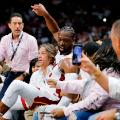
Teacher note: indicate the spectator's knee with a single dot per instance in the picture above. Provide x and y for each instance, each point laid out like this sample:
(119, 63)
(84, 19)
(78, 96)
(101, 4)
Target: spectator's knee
(16, 85)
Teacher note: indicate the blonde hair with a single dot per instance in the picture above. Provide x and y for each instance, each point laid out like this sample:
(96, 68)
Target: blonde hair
(51, 50)
(115, 31)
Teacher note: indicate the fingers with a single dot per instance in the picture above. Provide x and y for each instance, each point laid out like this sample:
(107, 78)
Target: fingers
(52, 83)
(83, 54)
(54, 113)
(37, 6)
(84, 57)
(99, 118)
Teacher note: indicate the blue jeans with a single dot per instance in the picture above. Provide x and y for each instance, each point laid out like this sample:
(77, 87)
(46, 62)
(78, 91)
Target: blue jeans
(11, 76)
(94, 116)
(81, 115)
(35, 116)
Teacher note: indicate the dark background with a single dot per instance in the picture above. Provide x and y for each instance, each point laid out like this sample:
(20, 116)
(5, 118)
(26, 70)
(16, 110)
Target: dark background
(83, 15)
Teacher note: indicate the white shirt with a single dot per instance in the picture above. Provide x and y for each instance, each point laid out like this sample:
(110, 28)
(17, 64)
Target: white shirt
(93, 96)
(114, 84)
(59, 57)
(114, 87)
(39, 81)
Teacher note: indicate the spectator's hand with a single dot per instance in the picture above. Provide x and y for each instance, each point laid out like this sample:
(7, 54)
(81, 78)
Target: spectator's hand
(107, 115)
(39, 9)
(20, 78)
(57, 113)
(87, 65)
(52, 83)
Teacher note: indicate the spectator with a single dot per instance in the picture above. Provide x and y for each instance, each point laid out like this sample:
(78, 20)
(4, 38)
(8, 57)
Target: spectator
(65, 36)
(37, 87)
(110, 84)
(101, 59)
(33, 67)
(18, 49)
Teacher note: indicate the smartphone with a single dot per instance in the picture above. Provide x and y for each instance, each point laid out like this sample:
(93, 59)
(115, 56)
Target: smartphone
(77, 54)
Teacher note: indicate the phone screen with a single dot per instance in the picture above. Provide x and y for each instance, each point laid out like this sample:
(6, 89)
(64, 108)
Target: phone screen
(77, 54)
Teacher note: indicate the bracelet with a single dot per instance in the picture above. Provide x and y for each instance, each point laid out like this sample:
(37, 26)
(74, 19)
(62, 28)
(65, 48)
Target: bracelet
(96, 73)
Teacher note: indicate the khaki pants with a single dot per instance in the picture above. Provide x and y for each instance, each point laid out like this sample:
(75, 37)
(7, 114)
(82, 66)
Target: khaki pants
(28, 114)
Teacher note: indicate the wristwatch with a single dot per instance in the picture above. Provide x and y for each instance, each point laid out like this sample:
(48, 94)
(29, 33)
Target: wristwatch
(117, 114)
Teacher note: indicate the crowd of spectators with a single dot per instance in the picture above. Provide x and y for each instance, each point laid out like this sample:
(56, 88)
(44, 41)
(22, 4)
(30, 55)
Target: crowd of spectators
(91, 23)
(91, 20)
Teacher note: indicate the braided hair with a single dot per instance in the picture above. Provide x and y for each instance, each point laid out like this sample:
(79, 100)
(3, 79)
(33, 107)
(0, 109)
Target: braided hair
(70, 31)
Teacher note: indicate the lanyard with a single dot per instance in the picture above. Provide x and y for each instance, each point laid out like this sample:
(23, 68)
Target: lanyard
(14, 51)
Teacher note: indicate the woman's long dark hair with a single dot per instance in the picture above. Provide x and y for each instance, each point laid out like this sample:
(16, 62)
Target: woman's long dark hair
(32, 64)
(106, 58)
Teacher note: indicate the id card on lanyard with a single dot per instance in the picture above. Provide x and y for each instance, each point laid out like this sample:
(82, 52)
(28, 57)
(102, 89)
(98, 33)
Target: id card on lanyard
(15, 50)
